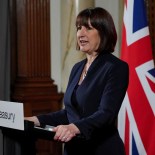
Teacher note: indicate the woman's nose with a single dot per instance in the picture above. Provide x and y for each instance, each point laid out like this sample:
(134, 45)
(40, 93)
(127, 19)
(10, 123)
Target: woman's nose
(82, 31)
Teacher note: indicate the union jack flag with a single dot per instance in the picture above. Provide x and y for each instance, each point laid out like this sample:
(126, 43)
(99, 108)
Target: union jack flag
(136, 121)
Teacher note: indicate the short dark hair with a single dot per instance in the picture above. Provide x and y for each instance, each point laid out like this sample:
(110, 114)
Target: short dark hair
(101, 20)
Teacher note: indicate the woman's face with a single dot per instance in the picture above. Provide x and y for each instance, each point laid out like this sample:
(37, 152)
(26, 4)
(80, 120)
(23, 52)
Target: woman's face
(88, 38)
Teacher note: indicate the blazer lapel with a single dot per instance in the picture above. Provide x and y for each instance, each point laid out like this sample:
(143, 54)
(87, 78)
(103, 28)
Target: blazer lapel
(76, 79)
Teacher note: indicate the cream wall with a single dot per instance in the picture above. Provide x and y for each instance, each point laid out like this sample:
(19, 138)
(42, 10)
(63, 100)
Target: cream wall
(58, 30)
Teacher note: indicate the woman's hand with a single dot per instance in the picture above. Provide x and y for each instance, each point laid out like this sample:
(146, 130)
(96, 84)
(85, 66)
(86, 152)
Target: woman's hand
(65, 133)
(33, 119)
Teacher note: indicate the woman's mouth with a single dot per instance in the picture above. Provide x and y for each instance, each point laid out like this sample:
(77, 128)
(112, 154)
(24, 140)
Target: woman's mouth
(83, 42)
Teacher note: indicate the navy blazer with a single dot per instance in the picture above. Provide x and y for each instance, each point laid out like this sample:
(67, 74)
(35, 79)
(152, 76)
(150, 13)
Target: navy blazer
(99, 98)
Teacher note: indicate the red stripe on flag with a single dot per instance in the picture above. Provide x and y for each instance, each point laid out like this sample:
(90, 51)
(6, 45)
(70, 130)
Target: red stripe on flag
(152, 84)
(126, 139)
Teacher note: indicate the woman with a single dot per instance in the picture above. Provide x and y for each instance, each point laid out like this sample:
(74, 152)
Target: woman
(95, 91)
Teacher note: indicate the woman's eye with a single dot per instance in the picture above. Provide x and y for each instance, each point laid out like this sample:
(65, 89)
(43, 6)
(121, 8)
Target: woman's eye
(78, 28)
(89, 28)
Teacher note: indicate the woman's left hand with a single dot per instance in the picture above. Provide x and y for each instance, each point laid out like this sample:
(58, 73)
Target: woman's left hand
(65, 133)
